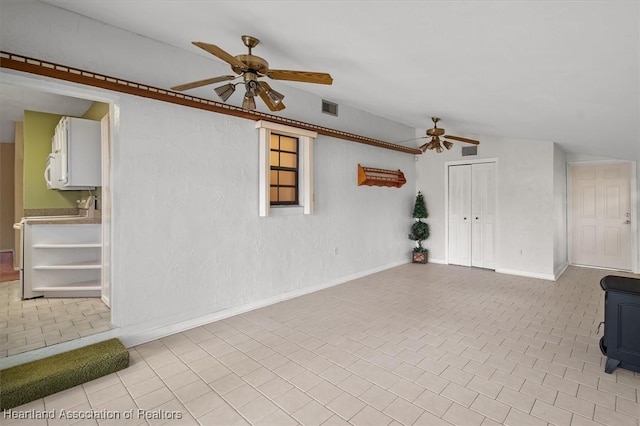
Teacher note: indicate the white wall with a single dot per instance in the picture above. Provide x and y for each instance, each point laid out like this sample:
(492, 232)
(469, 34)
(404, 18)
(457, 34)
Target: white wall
(186, 237)
(526, 225)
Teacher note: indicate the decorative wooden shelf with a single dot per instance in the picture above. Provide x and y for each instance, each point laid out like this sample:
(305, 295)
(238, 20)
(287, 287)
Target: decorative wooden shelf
(380, 177)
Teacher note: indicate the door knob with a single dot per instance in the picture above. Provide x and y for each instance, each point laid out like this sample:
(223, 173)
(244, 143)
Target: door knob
(477, 218)
(627, 222)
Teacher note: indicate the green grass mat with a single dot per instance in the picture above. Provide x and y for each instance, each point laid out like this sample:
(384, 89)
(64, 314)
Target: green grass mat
(37, 379)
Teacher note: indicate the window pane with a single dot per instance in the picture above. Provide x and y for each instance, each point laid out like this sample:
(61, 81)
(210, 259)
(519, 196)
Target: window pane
(288, 144)
(274, 141)
(286, 178)
(274, 194)
(286, 194)
(273, 179)
(274, 161)
(288, 160)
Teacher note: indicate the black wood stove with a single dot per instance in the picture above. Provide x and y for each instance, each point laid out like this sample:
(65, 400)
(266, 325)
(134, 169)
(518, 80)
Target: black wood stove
(621, 340)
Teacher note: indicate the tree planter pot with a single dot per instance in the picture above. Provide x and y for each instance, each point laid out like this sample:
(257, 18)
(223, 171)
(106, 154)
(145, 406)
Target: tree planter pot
(420, 256)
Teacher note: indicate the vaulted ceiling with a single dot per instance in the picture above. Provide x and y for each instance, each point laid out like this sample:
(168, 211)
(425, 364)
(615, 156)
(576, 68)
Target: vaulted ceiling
(561, 71)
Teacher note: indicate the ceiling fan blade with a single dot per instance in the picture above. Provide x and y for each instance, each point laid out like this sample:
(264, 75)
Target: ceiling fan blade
(461, 139)
(304, 76)
(204, 82)
(265, 98)
(216, 51)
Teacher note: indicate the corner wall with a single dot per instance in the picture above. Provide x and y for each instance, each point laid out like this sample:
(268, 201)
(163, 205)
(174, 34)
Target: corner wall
(526, 225)
(560, 246)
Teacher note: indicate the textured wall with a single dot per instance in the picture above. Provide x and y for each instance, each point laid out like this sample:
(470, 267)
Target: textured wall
(525, 223)
(187, 240)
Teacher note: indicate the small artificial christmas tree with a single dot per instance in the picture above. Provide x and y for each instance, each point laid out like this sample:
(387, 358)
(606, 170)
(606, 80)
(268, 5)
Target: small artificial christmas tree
(419, 229)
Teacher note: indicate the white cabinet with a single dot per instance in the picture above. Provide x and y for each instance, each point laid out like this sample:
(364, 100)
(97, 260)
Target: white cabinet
(472, 213)
(62, 260)
(75, 159)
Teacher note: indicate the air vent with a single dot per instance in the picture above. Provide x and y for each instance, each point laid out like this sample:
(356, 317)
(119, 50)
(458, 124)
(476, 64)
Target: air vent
(329, 108)
(469, 150)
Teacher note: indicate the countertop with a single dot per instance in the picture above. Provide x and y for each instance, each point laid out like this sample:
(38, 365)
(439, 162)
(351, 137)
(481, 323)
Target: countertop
(61, 216)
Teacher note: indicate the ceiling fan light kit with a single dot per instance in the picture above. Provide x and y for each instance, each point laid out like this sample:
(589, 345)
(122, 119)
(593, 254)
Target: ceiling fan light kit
(251, 68)
(249, 103)
(224, 92)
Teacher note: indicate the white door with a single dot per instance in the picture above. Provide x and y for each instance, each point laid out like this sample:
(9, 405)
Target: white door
(460, 215)
(601, 215)
(472, 210)
(483, 214)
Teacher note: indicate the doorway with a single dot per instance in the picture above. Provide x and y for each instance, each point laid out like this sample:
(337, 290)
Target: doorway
(471, 206)
(86, 316)
(601, 216)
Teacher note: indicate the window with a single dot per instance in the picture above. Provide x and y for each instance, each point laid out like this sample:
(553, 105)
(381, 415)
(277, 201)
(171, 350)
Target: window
(286, 169)
(283, 160)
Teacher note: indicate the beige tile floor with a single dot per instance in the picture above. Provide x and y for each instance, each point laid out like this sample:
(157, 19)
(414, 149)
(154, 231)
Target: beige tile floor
(413, 345)
(36, 323)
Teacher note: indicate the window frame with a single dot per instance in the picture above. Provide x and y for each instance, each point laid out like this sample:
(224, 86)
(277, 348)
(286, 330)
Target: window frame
(280, 168)
(305, 169)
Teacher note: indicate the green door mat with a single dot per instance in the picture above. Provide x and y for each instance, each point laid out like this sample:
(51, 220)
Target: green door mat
(37, 379)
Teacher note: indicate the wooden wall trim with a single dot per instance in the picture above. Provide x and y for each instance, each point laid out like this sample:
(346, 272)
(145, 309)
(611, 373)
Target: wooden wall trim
(62, 72)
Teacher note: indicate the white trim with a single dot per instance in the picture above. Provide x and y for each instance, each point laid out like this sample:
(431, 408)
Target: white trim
(548, 277)
(263, 170)
(438, 261)
(281, 128)
(633, 200)
(286, 210)
(307, 196)
(139, 334)
(560, 270)
(305, 170)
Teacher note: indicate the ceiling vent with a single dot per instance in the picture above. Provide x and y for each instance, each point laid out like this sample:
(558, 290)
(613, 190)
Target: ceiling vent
(329, 108)
(469, 150)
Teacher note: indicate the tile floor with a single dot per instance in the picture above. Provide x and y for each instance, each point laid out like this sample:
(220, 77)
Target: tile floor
(7, 272)
(36, 323)
(413, 345)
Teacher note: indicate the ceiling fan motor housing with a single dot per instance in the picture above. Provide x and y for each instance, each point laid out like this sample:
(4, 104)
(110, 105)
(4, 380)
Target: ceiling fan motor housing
(254, 63)
(435, 132)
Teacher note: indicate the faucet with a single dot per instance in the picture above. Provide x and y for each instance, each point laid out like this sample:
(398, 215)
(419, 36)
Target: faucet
(88, 206)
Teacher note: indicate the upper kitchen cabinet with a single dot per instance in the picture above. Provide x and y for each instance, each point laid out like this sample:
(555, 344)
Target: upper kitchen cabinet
(74, 162)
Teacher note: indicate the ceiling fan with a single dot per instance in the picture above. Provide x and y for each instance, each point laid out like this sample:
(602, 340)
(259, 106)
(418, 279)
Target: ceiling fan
(436, 143)
(250, 68)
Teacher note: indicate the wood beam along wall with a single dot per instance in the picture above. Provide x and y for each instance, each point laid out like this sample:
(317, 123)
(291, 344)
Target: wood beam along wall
(61, 72)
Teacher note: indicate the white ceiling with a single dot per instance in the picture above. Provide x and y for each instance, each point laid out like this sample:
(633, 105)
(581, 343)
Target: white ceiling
(562, 71)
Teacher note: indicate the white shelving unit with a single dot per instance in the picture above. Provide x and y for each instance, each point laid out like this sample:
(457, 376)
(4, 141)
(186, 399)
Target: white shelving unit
(62, 260)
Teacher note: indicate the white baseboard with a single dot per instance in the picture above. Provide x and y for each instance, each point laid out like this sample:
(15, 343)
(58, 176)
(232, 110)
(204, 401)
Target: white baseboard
(560, 270)
(440, 261)
(143, 333)
(548, 277)
(152, 333)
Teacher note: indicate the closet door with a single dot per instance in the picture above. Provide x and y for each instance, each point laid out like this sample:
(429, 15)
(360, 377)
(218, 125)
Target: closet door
(460, 215)
(483, 190)
(472, 213)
